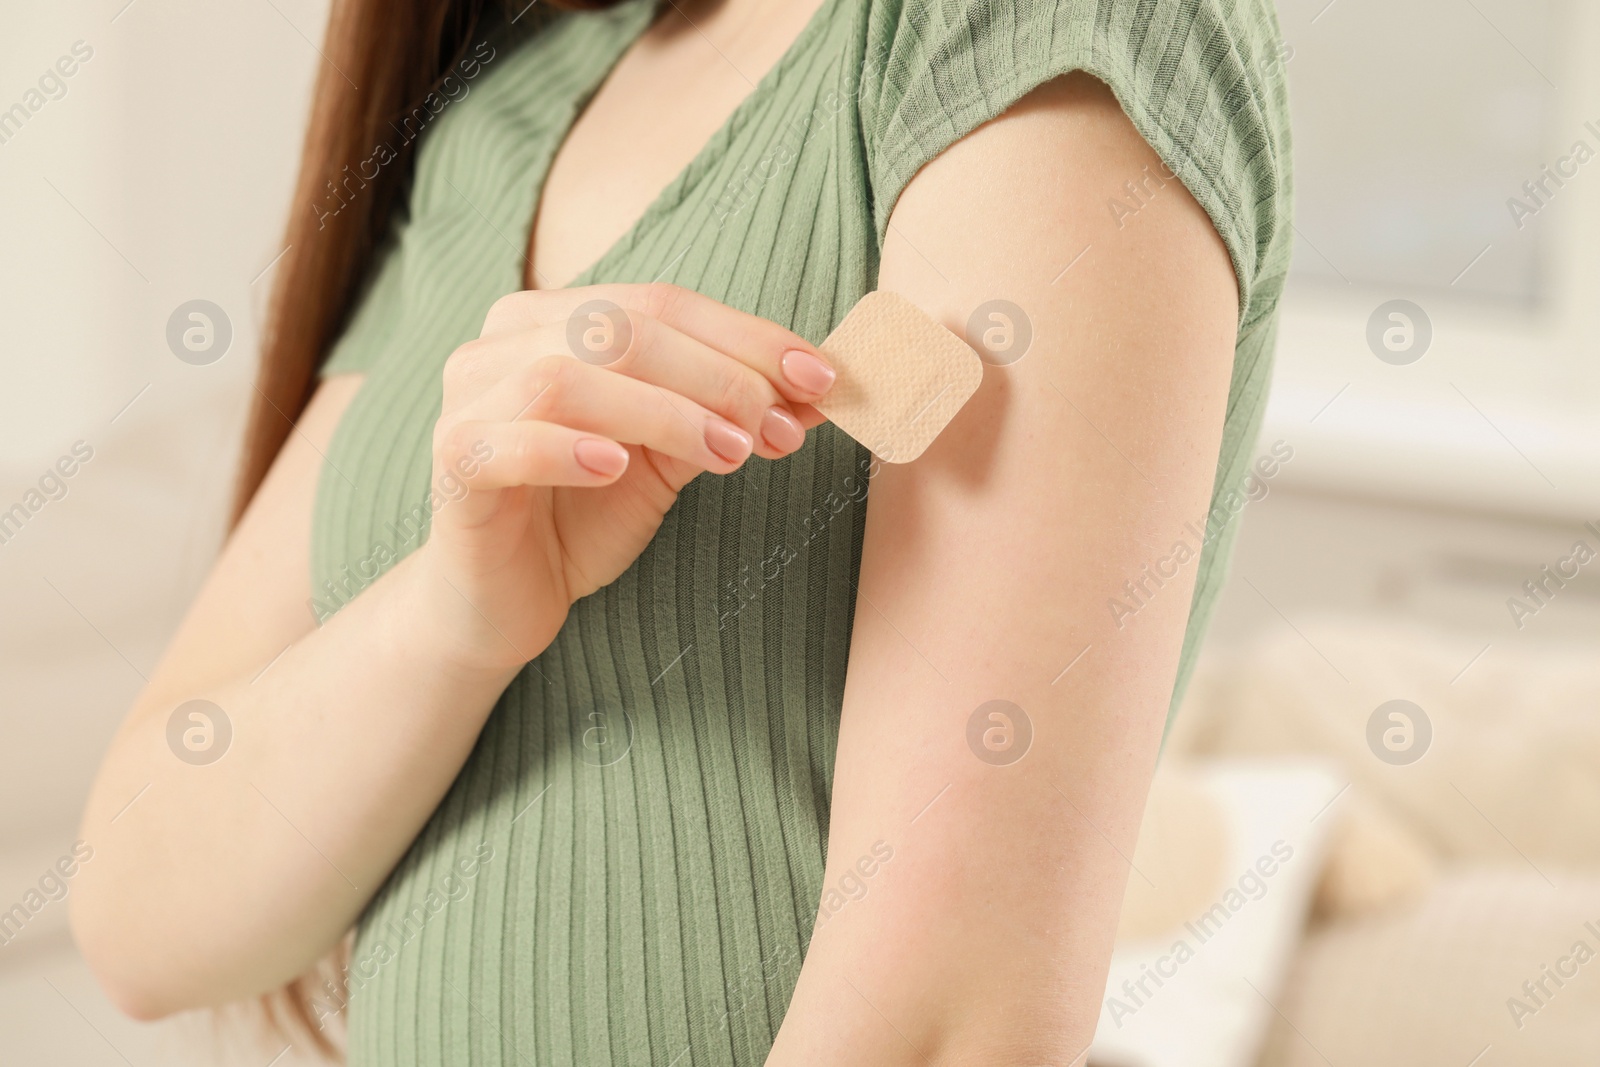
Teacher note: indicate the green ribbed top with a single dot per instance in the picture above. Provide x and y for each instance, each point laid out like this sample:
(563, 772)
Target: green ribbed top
(627, 869)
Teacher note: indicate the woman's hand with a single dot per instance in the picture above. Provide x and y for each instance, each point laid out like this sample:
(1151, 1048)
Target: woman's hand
(224, 881)
(573, 421)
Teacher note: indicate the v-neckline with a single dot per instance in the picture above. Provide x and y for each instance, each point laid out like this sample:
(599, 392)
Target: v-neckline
(664, 198)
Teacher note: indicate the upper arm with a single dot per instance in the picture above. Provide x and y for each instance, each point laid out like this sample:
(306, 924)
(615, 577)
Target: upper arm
(986, 571)
(1071, 464)
(255, 601)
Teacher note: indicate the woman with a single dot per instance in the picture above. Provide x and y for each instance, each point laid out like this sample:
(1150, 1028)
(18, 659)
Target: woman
(616, 724)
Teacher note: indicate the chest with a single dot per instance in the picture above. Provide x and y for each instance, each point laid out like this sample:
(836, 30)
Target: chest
(771, 217)
(669, 94)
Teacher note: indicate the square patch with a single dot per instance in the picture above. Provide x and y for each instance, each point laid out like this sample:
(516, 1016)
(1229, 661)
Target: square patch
(902, 376)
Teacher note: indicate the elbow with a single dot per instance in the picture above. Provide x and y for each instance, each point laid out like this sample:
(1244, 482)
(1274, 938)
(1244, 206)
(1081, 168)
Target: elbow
(131, 980)
(137, 1002)
(133, 994)
(154, 962)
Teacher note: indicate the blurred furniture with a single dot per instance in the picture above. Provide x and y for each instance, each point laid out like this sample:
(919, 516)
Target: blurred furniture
(1457, 912)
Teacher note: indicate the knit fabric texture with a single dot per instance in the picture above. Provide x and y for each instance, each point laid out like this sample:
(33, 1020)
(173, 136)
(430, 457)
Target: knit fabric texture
(627, 869)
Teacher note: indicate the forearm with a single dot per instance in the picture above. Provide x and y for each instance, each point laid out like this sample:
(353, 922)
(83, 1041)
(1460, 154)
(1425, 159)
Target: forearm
(224, 879)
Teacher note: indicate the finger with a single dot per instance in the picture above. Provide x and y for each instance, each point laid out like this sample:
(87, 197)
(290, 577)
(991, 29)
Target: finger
(565, 391)
(478, 458)
(794, 366)
(501, 455)
(655, 353)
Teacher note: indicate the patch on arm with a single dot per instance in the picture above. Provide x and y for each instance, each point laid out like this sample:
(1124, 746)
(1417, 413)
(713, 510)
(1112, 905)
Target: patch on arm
(902, 376)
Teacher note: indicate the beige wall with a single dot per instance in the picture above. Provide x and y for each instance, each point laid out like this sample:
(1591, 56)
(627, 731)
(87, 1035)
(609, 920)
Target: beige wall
(161, 175)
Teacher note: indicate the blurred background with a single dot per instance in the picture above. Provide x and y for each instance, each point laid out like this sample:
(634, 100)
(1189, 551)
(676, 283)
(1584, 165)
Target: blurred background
(1376, 836)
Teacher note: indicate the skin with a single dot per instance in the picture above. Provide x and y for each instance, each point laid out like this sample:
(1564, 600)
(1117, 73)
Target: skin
(986, 570)
(987, 567)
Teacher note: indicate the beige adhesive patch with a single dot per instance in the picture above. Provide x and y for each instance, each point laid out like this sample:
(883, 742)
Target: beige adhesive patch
(902, 376)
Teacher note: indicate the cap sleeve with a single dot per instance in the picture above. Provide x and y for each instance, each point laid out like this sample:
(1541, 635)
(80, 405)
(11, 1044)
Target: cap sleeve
(1202, 81)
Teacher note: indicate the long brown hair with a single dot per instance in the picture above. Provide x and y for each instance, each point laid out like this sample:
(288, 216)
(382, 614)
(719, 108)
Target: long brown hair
(384, 59)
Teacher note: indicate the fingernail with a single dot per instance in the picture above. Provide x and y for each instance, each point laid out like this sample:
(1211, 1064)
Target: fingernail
(782, 430)
(600, 456)
(807, 372)
(727, 440)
